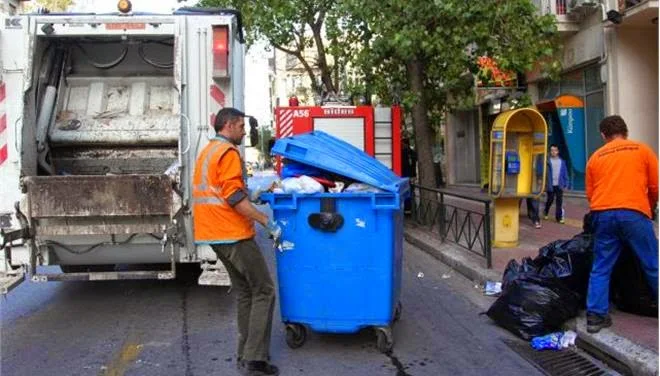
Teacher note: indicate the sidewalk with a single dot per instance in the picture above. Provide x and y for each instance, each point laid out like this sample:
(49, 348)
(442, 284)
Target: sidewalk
(632, 340)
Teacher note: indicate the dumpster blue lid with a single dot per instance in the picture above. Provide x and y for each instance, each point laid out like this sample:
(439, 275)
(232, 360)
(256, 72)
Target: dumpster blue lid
(329, 153)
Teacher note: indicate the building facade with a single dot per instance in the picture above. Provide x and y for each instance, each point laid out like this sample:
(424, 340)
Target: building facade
(610, 66)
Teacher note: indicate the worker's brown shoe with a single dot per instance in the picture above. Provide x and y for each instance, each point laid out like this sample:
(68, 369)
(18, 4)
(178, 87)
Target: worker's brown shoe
(597, 322)
(259, 368)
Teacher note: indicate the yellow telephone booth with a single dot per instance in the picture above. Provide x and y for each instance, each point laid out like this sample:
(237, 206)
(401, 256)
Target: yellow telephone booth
(518, 152)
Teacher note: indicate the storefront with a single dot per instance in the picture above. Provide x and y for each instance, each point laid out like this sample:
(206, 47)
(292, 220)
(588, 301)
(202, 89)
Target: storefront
(573, 108)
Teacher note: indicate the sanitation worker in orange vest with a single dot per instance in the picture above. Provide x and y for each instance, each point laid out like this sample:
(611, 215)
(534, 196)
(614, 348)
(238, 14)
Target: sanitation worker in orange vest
(622, 188)
(224, 217)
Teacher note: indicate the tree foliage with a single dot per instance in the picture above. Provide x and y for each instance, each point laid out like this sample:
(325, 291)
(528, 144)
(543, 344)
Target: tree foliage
(421, 53)
(426, 52)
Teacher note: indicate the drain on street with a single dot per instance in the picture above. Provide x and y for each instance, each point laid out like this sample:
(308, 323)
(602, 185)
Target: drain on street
(557, 363)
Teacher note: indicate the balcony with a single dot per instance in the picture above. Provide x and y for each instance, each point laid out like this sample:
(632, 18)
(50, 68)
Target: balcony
(566, 25)
(638, 13)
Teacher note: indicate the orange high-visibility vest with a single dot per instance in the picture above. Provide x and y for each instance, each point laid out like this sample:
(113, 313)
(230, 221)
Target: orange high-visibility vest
(214, 220)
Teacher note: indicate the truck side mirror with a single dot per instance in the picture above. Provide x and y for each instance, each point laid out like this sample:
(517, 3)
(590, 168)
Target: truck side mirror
(254, 132)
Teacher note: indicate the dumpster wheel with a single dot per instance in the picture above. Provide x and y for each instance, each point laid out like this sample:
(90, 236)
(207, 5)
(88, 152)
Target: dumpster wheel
(296, 335)
(384, 339)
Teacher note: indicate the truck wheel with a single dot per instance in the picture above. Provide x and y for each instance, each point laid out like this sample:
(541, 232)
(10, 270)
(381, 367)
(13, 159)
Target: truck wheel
(296, 335)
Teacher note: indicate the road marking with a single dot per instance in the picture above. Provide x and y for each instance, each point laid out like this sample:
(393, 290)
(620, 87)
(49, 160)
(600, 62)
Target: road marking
(128, 354)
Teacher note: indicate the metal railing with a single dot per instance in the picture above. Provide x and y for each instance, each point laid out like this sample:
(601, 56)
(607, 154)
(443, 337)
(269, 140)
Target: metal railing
(456, 218)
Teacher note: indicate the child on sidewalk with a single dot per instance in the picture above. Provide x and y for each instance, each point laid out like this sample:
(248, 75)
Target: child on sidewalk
(556, 182)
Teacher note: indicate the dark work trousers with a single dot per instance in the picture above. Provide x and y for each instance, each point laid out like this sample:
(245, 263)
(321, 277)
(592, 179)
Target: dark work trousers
(559, 206)
(533, 209)
(255, 294)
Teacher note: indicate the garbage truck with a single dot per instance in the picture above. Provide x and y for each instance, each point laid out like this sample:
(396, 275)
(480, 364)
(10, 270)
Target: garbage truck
(101, 120)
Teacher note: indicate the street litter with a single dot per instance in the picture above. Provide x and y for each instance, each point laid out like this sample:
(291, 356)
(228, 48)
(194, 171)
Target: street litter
(554, 341)
(493, 288)
(446, 276)
(420, 275)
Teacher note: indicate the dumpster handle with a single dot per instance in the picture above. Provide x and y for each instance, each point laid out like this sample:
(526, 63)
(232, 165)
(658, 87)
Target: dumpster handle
(383, 201)
(328, 220)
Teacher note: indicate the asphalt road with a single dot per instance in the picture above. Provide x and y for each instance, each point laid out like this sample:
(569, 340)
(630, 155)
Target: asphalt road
(174, 328)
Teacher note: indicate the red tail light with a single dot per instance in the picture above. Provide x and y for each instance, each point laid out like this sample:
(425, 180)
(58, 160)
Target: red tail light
(220, 51)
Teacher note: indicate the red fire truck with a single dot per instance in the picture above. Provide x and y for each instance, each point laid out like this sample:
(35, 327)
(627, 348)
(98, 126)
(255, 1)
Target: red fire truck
(374, 130)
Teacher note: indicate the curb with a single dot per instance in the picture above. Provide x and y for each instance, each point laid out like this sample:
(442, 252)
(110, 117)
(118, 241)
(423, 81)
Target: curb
(639, 359)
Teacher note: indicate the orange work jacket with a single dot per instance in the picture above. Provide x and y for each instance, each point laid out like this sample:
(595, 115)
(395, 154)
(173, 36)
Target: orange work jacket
(218, 184)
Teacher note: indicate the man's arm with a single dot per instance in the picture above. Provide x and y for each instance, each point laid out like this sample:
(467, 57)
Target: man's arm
(245, 208)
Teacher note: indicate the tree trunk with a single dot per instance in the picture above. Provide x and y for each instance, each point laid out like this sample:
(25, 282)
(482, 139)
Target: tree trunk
(423, 131)
(326, 73)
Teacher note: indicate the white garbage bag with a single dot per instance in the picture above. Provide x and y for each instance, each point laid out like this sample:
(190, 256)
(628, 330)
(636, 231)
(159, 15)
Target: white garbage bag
(303, 184)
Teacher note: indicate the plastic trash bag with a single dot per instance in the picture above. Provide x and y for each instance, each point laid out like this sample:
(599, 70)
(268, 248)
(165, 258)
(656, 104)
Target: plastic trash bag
(303, 184)
(514, 270)
(361, 187)
(629, 290)
(533, 306)
(568, 260)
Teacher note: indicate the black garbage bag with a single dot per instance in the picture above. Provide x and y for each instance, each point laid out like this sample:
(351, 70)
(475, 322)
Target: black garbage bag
(533, 306)
(629, 290)
(568, 260)
(514, 270)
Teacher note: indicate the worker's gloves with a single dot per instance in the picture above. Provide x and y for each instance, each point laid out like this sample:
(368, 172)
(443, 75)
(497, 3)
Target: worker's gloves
(275, 232)
(255, 196)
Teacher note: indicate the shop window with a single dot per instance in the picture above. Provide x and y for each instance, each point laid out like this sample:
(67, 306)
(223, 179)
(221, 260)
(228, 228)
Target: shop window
(592, 79)
(585, 84)
(594, 111)
(572, 83)
(548, 90)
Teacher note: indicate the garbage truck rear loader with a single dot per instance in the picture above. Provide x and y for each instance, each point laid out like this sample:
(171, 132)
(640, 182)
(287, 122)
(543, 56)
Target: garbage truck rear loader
(103, 118)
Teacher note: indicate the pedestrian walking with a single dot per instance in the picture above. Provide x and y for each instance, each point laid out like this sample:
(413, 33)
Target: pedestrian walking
(224, 217)
(556, 183)
(533, 211)
(622, 189)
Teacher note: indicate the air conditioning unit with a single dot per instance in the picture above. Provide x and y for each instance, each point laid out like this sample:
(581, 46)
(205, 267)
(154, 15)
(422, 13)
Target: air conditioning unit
(582, 7)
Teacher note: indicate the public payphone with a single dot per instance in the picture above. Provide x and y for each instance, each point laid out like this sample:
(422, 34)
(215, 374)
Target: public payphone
(518, 146)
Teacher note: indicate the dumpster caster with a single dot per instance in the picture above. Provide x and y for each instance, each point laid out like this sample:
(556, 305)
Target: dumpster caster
(397, 312)
(384, 340)
(296, 335)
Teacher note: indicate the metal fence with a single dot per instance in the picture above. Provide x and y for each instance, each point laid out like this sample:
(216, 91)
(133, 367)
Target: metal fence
(456, 218)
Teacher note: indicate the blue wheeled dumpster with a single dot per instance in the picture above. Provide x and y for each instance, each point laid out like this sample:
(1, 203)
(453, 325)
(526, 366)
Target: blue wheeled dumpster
(339, 266)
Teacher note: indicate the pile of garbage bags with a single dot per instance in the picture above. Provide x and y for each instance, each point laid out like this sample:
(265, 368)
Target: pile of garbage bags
(629, 290)
(540, 294)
